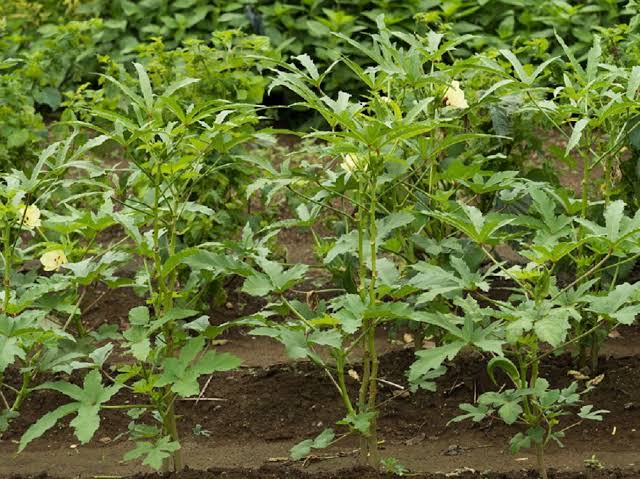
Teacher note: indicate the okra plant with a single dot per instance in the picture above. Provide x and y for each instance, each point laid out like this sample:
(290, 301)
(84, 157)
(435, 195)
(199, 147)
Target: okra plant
(169, 148)
(536, 320)
(382, 151)
(594, 113)
(45, 269)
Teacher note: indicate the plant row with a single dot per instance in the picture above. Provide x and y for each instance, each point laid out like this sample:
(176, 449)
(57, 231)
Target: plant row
(443, 211)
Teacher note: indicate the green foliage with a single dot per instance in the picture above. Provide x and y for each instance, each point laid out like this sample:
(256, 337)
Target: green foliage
(432, 185)
(22, 128)
(86, 405)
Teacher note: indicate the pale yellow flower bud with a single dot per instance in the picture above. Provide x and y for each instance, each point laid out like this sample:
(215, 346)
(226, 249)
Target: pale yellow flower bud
(353, 374)
(353, 163)
(52, 260)
(31, 216)
(454, 96)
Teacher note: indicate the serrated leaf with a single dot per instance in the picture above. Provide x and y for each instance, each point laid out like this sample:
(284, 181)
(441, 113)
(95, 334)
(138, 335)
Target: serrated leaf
(475, 413)
(634, 82)
(145, 85)
(154, 453)
(361, 422)
(9, 351)
(553, 328)
(303, 448)
(258, 284)
(100, 355)
(613, 215)
(510, 411)
(330, 337)
(139, 316)
(576, 134)
(431, 359)
(587, 412)
(87, 422)
(174, 87)
(593, 59)
(45, 423)
(517, 66)
(308, 64)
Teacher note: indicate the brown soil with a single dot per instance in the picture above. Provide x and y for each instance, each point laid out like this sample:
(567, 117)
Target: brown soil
(361, 473)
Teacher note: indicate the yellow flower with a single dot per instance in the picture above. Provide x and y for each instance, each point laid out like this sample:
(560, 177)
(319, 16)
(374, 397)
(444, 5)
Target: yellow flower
(454, 96)
(31, 216)
(52, 260)
(353, 163)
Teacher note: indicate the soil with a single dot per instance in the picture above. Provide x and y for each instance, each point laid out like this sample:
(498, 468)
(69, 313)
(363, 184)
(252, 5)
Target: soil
(361, 473)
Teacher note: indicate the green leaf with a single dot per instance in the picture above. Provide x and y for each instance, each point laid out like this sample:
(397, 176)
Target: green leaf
(389, 223)
(295, 343)
(280, 278)
(9, 351)
(349, 311)
(141, 349)
(174, 314)
(347, 243)
(574, 63)
(93, 390)
(303, 448)
(6, 416)
(217, 263)
(475, 413)
(634, 82)
(515, 63)
(258, 284)
(139, 315)
(615, 304)
(361, 422)
(576, 134)
(182, 373)
(115, 116)
(68, 389)
(586, 412)
(49, 96)
(593, 59)
(613, 215)
(553, 328)
(145, 85)
(178, 85)
(154, 453)
(213, 361)
(87, 422)
(331, 338)
(308, 64)
(45, 423)
(431, 359)
(518, 442)
(510, 411)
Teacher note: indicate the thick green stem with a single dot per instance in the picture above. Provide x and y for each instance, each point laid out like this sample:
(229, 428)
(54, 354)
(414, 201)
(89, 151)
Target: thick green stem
(372, 439)
(23, 393)
(344, 392)
(7, 256)
(163, 303)
(171, 429)
(542, 469)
